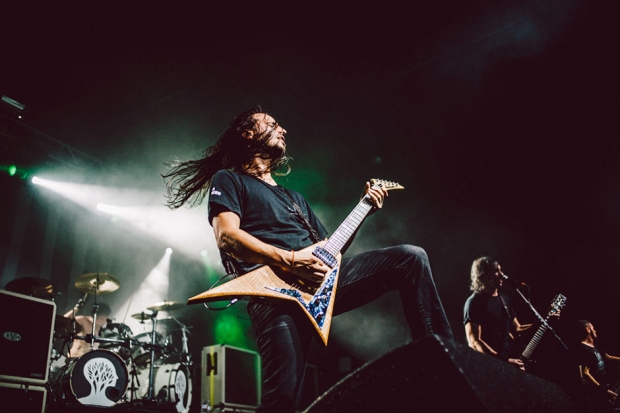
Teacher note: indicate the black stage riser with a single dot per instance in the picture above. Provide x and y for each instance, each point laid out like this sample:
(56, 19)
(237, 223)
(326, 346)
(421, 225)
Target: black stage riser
(437, 375)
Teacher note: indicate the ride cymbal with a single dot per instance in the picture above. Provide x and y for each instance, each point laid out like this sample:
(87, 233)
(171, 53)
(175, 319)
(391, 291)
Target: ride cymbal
(166, 306)
(97, 282)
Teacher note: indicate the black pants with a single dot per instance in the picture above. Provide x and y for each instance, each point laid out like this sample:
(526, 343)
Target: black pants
(283, 333)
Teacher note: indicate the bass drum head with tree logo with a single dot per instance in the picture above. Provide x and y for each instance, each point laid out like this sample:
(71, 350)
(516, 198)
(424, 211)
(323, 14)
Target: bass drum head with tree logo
(171, 384)
(99, 378)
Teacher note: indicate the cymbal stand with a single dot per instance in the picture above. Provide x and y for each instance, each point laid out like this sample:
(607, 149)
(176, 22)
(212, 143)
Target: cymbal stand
(153, 333)
(135, 381)
(185, 332)
(95, 310)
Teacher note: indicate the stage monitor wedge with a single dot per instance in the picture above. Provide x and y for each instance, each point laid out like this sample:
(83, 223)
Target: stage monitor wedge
(435, 374)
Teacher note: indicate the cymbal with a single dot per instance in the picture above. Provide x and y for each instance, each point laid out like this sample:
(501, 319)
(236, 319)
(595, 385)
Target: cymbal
(142, 316)
(166, 306)
(99, 282)
(35, 287)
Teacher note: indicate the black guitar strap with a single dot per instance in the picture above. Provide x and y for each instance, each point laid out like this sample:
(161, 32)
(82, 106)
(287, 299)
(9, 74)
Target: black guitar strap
(505, 306)
(313, 234)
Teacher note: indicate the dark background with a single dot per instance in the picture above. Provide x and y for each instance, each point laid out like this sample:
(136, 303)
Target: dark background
(499, 118)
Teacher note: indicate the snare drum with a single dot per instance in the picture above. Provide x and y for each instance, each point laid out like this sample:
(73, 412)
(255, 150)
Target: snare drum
(98, 378)
(171, 384)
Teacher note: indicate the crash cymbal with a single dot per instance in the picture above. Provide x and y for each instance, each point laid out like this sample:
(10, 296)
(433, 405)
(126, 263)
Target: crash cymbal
(143, 316)
(166, 306)
(99, 282)
(35, 287)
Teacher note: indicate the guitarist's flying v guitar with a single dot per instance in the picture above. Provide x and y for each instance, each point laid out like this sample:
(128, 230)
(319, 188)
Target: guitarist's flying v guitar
(317, 301)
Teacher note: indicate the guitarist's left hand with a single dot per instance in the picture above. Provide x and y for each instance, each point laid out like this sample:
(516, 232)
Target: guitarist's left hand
(377, 196)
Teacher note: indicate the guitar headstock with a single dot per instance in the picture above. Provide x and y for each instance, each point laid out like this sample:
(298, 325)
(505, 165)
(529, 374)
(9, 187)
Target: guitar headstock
(387, 185)
(557, 304)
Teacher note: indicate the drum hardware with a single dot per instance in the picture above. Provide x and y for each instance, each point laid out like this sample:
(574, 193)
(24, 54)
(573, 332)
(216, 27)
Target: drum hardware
(96, 284)
(151, 367)
(116, 338)
(172, 321)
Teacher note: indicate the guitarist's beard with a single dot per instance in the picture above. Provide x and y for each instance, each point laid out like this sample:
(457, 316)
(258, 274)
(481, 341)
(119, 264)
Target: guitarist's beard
(268, 146)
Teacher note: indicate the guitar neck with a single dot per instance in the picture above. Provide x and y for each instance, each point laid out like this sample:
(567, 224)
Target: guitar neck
(345, 231)
(556, 305)
(531, 346)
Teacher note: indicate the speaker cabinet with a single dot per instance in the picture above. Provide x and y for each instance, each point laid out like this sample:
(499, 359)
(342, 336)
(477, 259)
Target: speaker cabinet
(437, 375)
(26, 333)
(22, 398)
(230, 378)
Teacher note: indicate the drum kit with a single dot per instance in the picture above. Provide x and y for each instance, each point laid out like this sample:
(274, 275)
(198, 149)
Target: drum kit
(117, 366)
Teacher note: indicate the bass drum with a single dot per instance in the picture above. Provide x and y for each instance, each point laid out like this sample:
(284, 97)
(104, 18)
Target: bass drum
(98, 378)
(171, 384)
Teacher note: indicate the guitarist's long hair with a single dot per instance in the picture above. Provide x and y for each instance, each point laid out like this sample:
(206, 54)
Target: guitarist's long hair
(187, 182)
(482, 270)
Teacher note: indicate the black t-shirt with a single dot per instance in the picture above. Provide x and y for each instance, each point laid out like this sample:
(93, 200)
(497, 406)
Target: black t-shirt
(265, 211)
(489, 313)
(595, 360)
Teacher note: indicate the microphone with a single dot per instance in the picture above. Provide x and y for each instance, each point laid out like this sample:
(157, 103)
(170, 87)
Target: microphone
(505, 277)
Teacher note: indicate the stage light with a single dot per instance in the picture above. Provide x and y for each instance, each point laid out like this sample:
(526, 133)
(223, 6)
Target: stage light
(12, 106)
(10, 169)
(168, 251)
(154, 288)
(144, 211)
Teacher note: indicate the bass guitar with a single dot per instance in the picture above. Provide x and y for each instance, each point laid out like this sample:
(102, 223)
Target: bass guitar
(316, 300)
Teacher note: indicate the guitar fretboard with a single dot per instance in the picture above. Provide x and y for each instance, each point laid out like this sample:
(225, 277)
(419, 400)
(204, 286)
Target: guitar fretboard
(529, 349)
(348, 227)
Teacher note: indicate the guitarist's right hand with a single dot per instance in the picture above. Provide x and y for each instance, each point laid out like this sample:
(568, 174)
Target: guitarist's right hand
(306, 266)
(518, 363)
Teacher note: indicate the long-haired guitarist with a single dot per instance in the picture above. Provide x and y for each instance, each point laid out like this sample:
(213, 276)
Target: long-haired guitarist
(488, 313)
(257, 222)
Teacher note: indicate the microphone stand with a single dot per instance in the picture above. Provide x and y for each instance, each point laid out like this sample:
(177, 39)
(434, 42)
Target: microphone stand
(542, 320)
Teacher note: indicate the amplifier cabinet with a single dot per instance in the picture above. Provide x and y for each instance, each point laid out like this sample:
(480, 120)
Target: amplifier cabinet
(26, 334)
(230, 378)
(22, 398)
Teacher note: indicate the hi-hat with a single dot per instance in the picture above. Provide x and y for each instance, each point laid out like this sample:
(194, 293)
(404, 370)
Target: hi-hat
(165, 306)
(143, 316)
(97, 282)
(32, 286)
